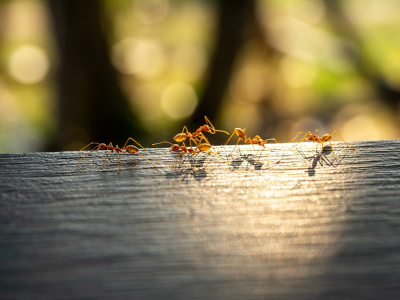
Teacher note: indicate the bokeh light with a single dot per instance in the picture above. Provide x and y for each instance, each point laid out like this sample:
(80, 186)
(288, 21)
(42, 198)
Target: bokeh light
(298, 73)
(140, 57)
(28, 64)
(302, 66)
(23, 20)
(150, 11)
(178, 100)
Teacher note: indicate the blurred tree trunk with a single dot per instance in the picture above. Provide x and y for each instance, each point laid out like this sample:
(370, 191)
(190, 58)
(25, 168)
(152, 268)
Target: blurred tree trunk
(233, 21)
(90, 98)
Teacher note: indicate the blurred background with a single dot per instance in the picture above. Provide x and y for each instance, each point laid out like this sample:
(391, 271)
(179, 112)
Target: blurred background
(74, 72)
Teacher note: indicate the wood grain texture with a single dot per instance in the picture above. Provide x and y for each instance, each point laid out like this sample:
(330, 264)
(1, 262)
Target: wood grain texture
(294, 227)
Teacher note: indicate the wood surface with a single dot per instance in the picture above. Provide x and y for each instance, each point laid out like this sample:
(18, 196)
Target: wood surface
(277, 224)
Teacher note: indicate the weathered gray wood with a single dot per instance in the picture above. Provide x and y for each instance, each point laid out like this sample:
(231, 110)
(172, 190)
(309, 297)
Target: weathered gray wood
(300, 227)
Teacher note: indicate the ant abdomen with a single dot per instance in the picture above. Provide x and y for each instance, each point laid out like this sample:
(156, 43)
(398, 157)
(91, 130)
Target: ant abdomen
(203, 147)
(131, 149)
(180, 137)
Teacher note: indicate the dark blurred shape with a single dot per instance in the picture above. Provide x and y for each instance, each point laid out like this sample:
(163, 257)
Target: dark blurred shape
(234, 18)
(89, 96)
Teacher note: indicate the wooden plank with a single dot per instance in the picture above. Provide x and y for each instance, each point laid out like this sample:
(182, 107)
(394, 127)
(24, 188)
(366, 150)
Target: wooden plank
(294, 227)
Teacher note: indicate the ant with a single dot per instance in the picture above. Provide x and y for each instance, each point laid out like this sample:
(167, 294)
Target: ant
(127, 148)
(241, 133)
(209, 127)
(326, 138)
(201, 147)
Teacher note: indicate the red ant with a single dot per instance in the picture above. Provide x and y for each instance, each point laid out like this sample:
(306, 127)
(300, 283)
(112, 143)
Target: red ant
(202, 147)
(209, 127)
(241, 133)
(326, 138)
(127, 148)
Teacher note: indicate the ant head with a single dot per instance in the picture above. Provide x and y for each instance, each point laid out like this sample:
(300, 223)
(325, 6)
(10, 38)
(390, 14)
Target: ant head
(311, 137)
(102, 146)
(174, 148)
(260, 142)
(207, 128)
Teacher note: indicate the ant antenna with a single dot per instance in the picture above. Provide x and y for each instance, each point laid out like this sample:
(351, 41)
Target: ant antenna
(162, 143)
(208, 122)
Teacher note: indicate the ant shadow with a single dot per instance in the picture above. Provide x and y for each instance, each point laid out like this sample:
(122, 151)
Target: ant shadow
(110, 164)
(184, 173)
(126, 162)
(251, 159)
(321, 158)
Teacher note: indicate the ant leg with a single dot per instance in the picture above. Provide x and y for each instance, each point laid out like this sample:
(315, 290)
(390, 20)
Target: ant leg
(194, 140)
(108, 153)
(341, 138)
(230, 137)
(190, 142)
(305, 136)
(187, 131)
(267, 155)
(118, 162)
(203, 137)
(194, 165)
(110, 144)
(332, 151)
(88, 146)
(180, 154)
(146, 158)
(253, 147)
(322, 149)
(216, 155)
(271, 140)
(160, 157)
(309, 132)
(88, 152)
(236, 145)
(134, 141)
(261, 152)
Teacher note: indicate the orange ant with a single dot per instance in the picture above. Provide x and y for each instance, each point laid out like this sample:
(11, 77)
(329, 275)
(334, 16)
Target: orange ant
(241, 133)
(209, 127)
(202, 147)
(127, 148)
(326, 138)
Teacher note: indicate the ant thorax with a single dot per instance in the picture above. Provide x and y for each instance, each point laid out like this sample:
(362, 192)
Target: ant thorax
(240, 132)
